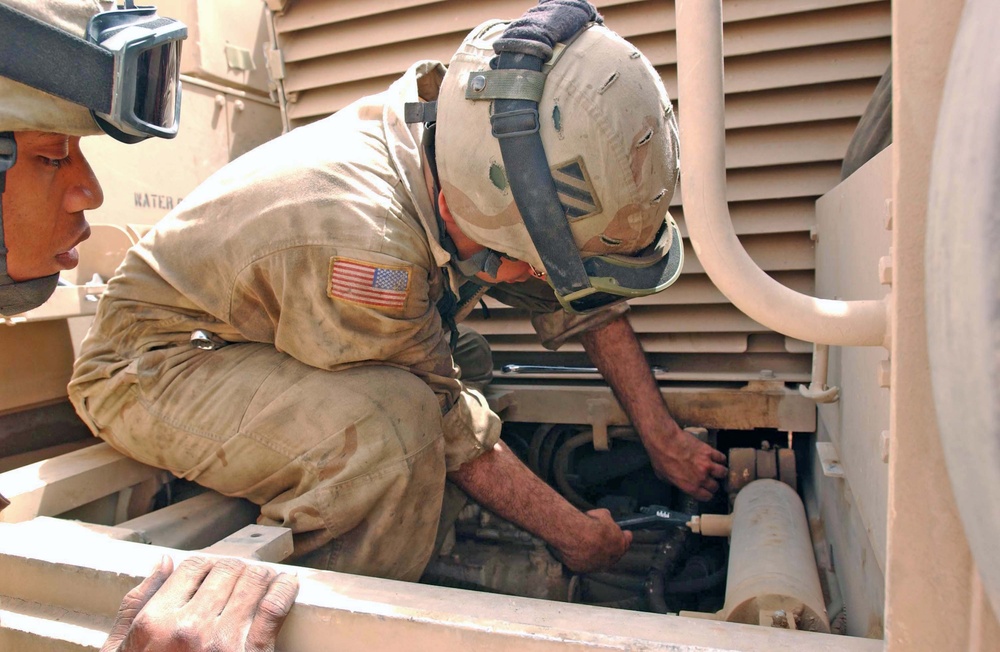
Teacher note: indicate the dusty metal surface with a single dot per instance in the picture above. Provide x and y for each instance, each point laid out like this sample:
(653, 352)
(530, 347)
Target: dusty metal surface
(259, 542)
(759, 405)
(772, 571)
(344, 611)
(193, 523)
(55, 486)
(931, 603)
(963, 283)
(853, 217)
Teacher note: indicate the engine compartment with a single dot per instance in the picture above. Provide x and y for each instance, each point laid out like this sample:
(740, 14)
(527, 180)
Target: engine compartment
(672, 566)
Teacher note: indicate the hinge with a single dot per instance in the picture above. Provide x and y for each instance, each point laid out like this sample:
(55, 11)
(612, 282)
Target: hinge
(275, 62)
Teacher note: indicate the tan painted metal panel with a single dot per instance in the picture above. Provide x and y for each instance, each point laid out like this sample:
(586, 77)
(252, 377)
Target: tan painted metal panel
(828, 63)
(783, 251)
(754, 184)
(455, 18)
(778, 216)
(799, 104)
(310, 13)
(851, 218)
(330, 99)
(698, 289)
(340, 611)
(751, 9)
(391, 59)
(784, 144)
(804, 30)
(810, 29)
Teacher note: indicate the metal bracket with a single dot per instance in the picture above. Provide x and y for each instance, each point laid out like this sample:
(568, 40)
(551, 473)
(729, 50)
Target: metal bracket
(275, 62)
(261, 542)
(599, 413)
(829, 458)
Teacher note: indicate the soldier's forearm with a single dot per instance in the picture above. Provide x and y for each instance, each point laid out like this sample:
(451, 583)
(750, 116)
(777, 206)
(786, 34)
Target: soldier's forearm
(500, 482)
(616, 352)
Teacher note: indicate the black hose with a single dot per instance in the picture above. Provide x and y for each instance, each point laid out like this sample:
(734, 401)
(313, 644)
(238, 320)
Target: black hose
(547, 450)
(534, 449)
(634, 603)
(662, 566)
(655, 594)
(561, 468)
(618, 580)
(697, 584)
(649, 536)
(637, 559)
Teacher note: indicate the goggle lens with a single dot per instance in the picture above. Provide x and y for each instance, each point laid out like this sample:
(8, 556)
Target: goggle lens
(158, 70)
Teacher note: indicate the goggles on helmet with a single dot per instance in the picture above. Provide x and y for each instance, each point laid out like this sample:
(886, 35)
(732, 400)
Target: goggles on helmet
(613, 278)
(126, 70)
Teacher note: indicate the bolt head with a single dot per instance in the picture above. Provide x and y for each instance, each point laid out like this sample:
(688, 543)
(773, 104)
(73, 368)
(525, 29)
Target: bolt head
(885, 270)
(884, 373)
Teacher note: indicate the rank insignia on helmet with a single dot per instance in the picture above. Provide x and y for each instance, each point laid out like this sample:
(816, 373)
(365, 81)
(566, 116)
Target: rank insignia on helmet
(575, 190)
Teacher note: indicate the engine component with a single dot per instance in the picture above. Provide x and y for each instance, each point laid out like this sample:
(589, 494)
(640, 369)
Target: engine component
(712, 525)
(494, 555)
(749, 464)
(742, 469)
(772, 578)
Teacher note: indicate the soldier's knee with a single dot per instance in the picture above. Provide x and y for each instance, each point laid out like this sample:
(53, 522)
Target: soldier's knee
(403, 403)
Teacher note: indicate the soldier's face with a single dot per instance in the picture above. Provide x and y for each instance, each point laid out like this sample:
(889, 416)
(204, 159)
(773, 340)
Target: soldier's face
(48, 190)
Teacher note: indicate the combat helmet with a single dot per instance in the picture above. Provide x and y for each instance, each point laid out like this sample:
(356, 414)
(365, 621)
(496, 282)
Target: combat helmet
(556, 144)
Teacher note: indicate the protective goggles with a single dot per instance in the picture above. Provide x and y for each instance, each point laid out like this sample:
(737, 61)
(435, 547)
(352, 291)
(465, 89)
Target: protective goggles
(126, 70)
(581, 285)
(614, 278)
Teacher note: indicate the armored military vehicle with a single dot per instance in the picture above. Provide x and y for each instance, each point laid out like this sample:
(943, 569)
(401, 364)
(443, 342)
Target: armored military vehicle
(833, 332)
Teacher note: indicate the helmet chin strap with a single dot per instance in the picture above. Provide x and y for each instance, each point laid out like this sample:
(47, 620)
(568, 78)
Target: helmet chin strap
(17, 297)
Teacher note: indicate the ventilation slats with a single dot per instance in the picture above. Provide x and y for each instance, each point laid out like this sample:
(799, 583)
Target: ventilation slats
(799, 74)
(786, 106)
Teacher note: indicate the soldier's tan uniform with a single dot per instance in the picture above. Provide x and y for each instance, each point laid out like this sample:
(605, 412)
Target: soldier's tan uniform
(333, 400)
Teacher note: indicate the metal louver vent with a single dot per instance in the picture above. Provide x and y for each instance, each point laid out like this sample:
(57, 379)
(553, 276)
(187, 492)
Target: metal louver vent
(799, 74)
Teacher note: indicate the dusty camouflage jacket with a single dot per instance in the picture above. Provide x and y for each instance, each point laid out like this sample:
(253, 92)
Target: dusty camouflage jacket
(323, 242)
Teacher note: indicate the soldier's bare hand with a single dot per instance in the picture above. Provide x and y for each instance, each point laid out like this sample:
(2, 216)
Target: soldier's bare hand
(682, 459)
(598, 544)
(223, 605)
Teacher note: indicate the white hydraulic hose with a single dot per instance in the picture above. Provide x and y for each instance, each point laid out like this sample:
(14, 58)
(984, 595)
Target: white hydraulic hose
(709, 225)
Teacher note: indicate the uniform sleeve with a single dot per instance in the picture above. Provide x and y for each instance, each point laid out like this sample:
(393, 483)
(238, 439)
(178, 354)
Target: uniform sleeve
(553, 324)
(336, 307)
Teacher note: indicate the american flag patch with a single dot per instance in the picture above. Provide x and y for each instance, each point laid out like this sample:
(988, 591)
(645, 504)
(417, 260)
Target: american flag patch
(368, 284)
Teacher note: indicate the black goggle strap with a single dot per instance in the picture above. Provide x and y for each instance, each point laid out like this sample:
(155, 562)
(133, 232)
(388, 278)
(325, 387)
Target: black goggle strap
(37, 54)
(8, 156)
(515, 125)
(524, 47)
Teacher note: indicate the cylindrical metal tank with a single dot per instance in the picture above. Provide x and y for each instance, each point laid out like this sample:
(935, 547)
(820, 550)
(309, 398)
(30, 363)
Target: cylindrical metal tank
(772, 578)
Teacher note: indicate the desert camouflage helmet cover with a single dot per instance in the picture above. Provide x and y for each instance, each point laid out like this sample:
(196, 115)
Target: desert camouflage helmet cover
(609, 135)
(23, 108)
